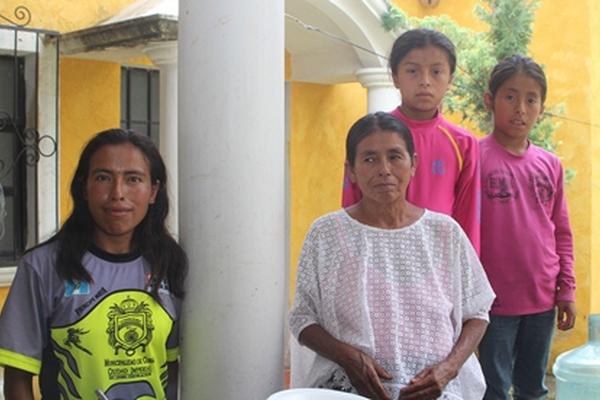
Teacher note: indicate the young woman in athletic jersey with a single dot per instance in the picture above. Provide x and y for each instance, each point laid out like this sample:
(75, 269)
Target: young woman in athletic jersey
(95, 309)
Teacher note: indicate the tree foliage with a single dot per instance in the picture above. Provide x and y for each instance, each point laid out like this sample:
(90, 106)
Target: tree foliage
(510, 25)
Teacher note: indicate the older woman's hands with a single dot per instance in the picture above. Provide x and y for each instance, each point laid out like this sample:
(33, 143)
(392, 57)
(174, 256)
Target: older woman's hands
(429, 383)
(364, 372)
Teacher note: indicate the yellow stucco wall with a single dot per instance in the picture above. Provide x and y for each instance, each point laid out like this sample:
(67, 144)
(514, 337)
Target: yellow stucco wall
(593, 17)
(64, 15)
(89, 102)
(567, 61)
(288, 65)
(3, 293)
(320, 118)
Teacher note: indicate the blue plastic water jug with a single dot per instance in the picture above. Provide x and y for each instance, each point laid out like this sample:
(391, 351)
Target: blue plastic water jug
(577, 371)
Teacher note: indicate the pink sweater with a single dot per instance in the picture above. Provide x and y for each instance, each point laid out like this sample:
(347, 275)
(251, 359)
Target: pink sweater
(526, 240)
(447, 176)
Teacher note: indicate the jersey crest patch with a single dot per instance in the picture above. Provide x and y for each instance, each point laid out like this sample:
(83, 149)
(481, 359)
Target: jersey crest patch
(129, 326)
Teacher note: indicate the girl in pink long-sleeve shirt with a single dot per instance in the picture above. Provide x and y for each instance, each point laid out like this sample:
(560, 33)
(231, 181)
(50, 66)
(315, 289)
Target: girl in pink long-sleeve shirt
(526, 240)
(446, 180)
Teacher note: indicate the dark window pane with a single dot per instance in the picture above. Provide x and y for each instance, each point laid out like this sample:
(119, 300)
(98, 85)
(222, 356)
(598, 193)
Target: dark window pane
(139, 95)
(11, 207)
(7, 153)
(7, 213)
(141, 128)
(9, 240)
(13, 217)
(124, 103)
(7, 73)
(155, 133)
(154, 96)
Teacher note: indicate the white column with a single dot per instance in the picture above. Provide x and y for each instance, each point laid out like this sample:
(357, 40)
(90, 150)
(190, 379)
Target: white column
(164, 56)
(381, 93)
(231, 181)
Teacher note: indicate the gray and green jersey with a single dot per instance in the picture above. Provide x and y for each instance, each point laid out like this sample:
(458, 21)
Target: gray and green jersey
(109, 334)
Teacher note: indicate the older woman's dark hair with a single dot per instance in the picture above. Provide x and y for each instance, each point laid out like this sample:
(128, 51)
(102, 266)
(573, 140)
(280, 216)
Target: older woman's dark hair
(511, 66)
(151, 237)
(377, 122)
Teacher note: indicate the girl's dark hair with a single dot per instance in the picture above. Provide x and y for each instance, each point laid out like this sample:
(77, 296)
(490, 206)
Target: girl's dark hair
(418, 39)
(377, 122)
(512, 66)
(166, 258)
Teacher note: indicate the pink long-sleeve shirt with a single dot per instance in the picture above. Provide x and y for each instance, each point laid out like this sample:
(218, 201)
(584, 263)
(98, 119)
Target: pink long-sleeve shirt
(526, 240)
(447, 175)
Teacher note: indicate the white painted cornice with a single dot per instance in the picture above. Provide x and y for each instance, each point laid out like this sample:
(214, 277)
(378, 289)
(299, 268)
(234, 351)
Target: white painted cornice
(145, 8)
(162, 53)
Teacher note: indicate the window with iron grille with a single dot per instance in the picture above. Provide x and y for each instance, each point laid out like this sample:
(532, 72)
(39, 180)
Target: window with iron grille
(28, 140)
(140, 101)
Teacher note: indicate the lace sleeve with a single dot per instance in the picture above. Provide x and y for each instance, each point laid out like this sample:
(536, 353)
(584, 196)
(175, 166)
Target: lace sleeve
(476, 292)
(307, 301)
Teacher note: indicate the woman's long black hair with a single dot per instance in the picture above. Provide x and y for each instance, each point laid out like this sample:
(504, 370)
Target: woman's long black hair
(151, 237)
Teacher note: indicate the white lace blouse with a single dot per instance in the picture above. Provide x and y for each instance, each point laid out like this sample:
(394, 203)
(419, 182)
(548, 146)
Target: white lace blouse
(399, 295)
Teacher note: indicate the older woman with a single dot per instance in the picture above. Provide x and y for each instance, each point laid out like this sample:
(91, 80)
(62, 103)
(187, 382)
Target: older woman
(391, 300)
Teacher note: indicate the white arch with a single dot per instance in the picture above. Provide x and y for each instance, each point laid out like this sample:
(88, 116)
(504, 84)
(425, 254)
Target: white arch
(361, 23)
(318, 58)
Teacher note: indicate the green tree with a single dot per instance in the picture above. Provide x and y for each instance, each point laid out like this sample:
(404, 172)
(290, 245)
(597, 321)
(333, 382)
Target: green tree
(510, 25)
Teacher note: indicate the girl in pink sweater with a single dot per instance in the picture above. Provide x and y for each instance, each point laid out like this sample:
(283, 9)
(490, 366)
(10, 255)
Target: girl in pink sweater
(526, 240)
